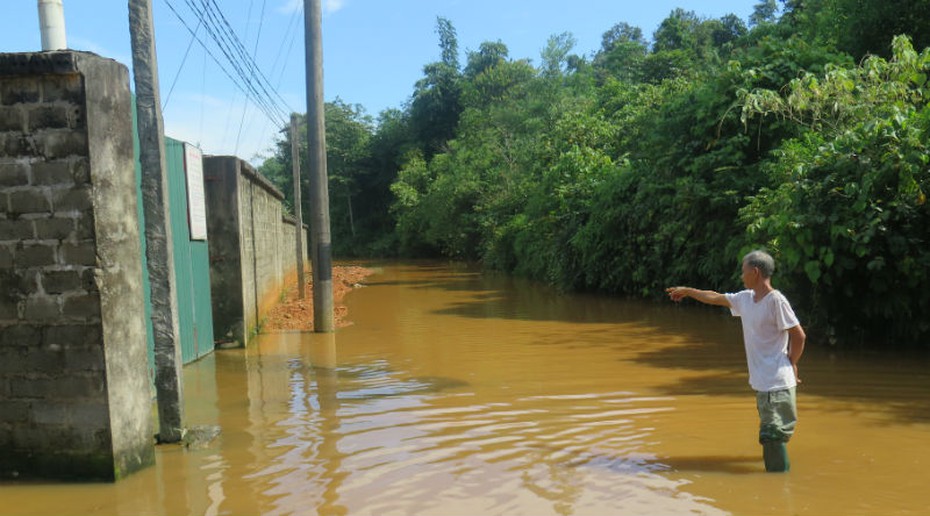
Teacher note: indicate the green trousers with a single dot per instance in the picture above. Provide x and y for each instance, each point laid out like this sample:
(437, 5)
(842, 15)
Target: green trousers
(778, 415)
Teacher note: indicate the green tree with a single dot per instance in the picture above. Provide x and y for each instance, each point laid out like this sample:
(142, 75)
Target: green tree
(411, 186)
(848, 214)
(764, 12)
(622, 52)
(474, 169)
(435, 105)
(354, 221)
(555, 54)
(687, 45)
(391, 145)
(488, 55)
(676, 32)
(860, 27)
(348, 134)
(686, 165)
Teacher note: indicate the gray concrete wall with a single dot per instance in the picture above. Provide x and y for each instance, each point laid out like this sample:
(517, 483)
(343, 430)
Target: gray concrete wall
(221, 190)
(289, 241)
(74, 395)
(252, 246)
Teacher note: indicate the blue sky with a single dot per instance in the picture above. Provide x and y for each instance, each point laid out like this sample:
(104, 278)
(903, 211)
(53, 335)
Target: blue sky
(374, 50)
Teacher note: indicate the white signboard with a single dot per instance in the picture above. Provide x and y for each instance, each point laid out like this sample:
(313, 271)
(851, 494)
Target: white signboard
(196, 204)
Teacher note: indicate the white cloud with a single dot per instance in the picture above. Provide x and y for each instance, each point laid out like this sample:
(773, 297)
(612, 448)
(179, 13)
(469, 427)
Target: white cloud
(88, 45)
(329, 6)
(79, 43)
(290, 6)
(209, 100)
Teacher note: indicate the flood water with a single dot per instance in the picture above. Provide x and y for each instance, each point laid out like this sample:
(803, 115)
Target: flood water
(461, 393)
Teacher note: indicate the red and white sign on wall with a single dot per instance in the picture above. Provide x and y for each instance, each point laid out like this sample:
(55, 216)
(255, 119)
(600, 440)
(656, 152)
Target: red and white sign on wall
(196, 204)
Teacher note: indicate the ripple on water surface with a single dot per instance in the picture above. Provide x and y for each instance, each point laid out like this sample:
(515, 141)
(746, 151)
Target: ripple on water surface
(394, 443)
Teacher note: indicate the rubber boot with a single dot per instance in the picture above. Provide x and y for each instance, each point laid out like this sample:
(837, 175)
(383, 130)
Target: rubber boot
(775, 455)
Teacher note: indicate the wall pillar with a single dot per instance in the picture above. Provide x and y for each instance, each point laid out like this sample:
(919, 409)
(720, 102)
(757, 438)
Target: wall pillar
(221, 192)
(75, 397)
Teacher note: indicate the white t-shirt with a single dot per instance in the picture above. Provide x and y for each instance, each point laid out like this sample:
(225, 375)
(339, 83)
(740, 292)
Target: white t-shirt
(765, 335)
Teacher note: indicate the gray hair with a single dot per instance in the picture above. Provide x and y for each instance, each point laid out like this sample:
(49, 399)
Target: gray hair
(762, 261)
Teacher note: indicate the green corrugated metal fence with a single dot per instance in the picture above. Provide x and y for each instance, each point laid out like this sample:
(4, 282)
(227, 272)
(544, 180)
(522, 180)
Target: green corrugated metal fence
(191, 264)
(146, 287)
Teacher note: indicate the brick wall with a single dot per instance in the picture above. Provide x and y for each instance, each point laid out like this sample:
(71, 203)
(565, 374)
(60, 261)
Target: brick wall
(264, 224)
(288, 240)
(252, 246)
(71, 307)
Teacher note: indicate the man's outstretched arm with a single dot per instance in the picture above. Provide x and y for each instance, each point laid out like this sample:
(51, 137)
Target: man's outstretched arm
(708, 297)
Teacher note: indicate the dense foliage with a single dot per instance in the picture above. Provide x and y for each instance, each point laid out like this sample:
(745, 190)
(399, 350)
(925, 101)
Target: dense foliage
(658, 162)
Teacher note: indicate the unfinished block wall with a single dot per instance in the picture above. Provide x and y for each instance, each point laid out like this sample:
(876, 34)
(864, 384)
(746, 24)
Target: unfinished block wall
(74, 395)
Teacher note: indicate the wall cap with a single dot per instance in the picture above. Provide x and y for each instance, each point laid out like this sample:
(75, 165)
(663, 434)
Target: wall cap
(37, 63)
(255, 176)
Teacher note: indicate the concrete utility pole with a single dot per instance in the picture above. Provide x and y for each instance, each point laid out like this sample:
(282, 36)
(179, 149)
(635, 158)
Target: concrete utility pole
(298, 210)
(52, 25)
(321, 248)
(159, 248)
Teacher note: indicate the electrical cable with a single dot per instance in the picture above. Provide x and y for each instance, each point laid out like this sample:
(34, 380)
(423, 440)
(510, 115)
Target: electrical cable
(229, 43)
(245, 108)
(239, 48)
(177, 74)
(211, 22)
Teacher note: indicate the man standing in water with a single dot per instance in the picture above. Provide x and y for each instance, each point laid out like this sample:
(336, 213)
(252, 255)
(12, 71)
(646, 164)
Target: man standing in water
(774, 341)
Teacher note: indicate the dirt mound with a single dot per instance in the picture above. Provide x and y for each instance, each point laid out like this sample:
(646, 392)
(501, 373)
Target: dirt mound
(297, 314)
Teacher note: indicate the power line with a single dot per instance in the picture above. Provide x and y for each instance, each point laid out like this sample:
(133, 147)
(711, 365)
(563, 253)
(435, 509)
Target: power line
(288, 39)
(243, 88)
(227, 41)
(250, 79)
(184, 60)
(254, 71)
(203, 93)
(287, 33)
(261, 19)
(268, 112)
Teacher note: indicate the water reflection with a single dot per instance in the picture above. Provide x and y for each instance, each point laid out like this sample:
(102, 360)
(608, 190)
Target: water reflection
(294, 425)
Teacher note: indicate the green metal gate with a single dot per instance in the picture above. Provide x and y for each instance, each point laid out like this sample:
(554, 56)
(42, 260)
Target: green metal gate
(191, 263)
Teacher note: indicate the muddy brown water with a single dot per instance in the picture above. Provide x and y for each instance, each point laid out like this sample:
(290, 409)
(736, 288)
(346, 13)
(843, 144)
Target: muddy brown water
(461, 393)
